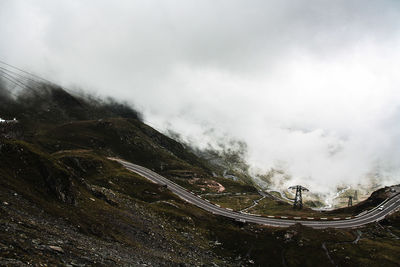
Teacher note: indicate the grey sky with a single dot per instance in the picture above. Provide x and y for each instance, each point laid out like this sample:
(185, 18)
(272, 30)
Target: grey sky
(311, 86)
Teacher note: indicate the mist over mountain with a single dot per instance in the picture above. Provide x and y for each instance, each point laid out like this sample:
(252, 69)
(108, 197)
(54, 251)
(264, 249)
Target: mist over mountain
(199, 133)
(66, 199)
(312, 89)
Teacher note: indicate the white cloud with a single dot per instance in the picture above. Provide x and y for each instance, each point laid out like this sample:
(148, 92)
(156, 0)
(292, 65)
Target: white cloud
(312, 84)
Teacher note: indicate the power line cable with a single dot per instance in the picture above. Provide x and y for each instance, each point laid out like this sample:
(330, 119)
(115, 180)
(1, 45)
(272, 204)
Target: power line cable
(20, 75)
(27, 82)
(26, 72)
(8, 90)
(18, 82)
(12, 79)
(45, 81)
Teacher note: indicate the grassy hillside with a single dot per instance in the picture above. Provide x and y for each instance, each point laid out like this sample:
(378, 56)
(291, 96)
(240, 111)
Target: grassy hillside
(76, 207)
(62, 202)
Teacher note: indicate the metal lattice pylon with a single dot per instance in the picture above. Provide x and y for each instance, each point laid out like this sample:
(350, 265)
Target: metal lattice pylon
(298, 200)
(350, 203)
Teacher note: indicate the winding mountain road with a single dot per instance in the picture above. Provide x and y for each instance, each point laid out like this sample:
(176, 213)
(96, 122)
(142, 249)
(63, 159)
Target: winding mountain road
(370, 216)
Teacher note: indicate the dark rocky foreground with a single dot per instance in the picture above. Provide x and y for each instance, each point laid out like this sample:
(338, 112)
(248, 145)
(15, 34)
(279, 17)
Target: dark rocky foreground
(29, 235)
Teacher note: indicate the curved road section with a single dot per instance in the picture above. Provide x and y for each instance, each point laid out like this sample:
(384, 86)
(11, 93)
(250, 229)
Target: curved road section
(374, 215)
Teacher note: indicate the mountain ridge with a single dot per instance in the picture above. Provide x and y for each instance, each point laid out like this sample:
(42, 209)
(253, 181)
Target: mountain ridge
(62, 202)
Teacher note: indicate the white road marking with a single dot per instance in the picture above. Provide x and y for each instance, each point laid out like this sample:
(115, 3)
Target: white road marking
(361, 219)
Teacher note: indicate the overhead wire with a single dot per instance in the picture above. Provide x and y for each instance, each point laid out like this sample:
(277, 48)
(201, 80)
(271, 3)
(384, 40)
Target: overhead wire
(11, 79)
(26, 72)
(37, 83)
(8, 90)
(18, 81)
(21, 76)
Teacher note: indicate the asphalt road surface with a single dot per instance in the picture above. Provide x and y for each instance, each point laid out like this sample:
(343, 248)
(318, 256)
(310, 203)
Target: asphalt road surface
(370, 216)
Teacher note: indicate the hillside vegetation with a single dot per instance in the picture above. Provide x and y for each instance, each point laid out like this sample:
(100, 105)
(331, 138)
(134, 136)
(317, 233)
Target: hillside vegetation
(62, 202)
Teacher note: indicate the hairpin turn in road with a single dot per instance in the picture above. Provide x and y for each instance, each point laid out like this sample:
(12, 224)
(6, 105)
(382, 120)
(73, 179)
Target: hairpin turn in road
(370, 216)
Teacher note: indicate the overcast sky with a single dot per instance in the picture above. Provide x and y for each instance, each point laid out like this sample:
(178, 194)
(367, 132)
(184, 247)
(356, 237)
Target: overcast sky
(310, 86)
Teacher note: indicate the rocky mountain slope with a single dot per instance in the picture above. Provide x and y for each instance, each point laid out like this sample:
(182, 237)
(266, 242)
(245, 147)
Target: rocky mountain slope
(62, 202)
